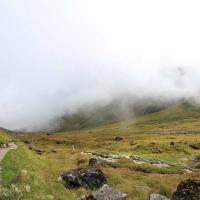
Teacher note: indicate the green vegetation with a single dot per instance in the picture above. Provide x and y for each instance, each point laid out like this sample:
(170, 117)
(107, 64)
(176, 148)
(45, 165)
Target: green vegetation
(143, 137)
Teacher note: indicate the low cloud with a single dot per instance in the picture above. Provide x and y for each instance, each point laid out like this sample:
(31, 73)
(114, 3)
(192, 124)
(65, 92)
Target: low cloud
(57, 56)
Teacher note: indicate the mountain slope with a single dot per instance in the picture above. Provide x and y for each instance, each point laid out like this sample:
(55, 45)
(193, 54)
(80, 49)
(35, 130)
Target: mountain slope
(118, 110)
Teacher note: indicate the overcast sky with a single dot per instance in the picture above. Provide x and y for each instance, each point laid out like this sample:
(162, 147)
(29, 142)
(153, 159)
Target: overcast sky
(57, 55)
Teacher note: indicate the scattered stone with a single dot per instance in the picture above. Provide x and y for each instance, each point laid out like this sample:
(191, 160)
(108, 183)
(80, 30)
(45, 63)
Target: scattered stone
(132, 143)
(27, 188)
(195, 146)
(89, 197)
(3, 145)
(59, 179)
(105, 193)
(187, 190)
(197, 160)
(24, 172)
(97, 161)
(180, 132)
(26, 141)
(36, 150)
(84, 177)
(117, 138)
(154, 196)
(50, 197)
(53, 151)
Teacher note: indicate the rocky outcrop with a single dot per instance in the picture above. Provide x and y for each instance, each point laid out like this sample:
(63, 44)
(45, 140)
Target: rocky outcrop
(105, 193)
(187, 190)
(88, 178)
(154, 196)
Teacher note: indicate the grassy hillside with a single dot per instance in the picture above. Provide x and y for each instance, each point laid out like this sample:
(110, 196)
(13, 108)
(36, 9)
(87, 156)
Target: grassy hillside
(142, 137)
(123, 108)
(4, 136)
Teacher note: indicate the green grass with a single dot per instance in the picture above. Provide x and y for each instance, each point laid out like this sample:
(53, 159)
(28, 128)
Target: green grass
(141, 137)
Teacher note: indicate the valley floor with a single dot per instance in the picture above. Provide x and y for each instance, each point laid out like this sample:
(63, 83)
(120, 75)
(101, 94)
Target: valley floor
(150, 156)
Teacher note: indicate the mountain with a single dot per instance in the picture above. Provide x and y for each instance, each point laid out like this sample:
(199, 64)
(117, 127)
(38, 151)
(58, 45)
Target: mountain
(119, 109)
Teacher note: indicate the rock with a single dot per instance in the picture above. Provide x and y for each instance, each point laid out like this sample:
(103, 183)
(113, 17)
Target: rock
(132, 143)
(24, 172)
(3, 145)
(197, 160)
(50, 197)
(96, 161)
(195, 146)
(154, 196)
(89, 197)
(27, 188)
(26, 141)
(117, 138)
(187, 190)
(105, 193)
(88, 178)
(172, 143)
(36, 150)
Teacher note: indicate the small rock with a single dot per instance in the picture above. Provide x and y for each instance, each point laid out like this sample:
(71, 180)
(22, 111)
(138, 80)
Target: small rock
(26, 141)
(154, 196)
(117, 138)
(59, 179)
(197, 160)
(172, 143)
(27, 188)
(105, 193)
(50, 197)
(84, 177)
(187, 190)
(36, 150)
(24, 172)
(132, 143)
(96, 161)
(195, 146)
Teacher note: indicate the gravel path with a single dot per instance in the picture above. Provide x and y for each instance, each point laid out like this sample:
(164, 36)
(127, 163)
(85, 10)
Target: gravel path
(4, 151)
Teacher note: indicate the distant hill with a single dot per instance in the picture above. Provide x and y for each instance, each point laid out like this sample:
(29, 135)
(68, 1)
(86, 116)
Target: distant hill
(120, 109)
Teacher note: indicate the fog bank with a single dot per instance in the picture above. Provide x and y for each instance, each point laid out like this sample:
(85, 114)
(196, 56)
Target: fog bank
(57, 56)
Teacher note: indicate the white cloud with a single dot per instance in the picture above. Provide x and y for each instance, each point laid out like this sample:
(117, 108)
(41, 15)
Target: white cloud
(58, 55)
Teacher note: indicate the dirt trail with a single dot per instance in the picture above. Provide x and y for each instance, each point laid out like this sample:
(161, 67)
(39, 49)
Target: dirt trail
(4, 151)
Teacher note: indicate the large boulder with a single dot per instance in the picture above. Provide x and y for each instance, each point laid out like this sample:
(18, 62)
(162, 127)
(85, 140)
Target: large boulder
(154, 196)
(187, 190)
(105, 193)
(88, 178)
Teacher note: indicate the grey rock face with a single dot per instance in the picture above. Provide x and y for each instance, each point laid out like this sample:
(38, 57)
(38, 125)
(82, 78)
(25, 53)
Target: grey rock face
(105, 193)
(88, 178)
(187, 190)
(154, 196)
